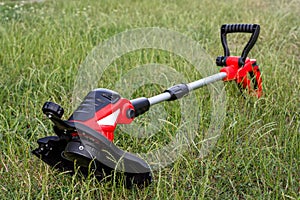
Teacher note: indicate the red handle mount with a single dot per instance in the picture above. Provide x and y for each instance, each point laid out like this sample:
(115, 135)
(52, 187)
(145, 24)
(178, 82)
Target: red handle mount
(248, 76)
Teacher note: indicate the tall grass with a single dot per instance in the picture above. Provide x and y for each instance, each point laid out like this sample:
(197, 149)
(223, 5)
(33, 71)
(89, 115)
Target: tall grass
(43, 44)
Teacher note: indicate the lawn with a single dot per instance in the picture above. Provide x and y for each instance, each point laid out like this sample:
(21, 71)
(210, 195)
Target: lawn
(45, 46)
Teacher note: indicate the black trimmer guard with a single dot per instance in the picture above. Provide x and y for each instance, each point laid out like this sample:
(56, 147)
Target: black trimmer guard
(63, 155)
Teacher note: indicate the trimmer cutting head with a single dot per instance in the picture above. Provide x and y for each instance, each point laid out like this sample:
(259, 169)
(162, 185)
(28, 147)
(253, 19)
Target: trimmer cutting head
(92, 148)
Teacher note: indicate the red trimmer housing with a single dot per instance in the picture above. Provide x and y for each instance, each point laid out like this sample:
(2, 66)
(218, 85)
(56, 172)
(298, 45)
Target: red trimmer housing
(102, 110)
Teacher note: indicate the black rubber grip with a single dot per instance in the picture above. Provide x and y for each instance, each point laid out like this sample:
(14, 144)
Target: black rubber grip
(244, 28)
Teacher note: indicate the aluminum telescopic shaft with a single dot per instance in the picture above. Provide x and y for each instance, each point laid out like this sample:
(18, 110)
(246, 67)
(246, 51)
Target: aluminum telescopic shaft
(142, 104)
(180, 90)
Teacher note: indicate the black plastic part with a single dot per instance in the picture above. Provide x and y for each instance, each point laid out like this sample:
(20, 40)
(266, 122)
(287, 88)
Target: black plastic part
(93, 102)
(76, 151)
(109, 156)
(178, 91)
(243, 28)
(62, 128)
(50, 150)
(253, 78)
(63, 155)
(141, 105)
(130, 113)
(241, 61)
(221, 61)
(53, 108)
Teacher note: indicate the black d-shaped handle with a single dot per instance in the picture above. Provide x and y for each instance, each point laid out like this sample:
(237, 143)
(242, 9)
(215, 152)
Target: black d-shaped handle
(242, 28)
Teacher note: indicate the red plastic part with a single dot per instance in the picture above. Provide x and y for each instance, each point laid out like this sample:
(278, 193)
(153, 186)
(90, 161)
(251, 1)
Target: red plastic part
(106, 119)
(240, 74)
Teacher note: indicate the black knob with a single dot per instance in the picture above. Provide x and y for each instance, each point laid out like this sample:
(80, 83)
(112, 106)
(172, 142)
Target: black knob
(53, 108)
(221, 61)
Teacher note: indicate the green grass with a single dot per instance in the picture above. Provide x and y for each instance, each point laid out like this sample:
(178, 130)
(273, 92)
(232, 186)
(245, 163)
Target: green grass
(258, 153)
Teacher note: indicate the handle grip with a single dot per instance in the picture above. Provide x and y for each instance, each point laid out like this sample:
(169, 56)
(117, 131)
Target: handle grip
(242, 28)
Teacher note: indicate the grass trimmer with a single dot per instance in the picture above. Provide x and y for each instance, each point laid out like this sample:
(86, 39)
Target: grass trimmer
(86, 138)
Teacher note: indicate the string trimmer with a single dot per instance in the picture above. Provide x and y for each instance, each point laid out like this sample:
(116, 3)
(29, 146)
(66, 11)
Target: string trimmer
(86, 138)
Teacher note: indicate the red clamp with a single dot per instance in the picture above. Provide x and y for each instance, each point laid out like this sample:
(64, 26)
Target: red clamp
(240, 74)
